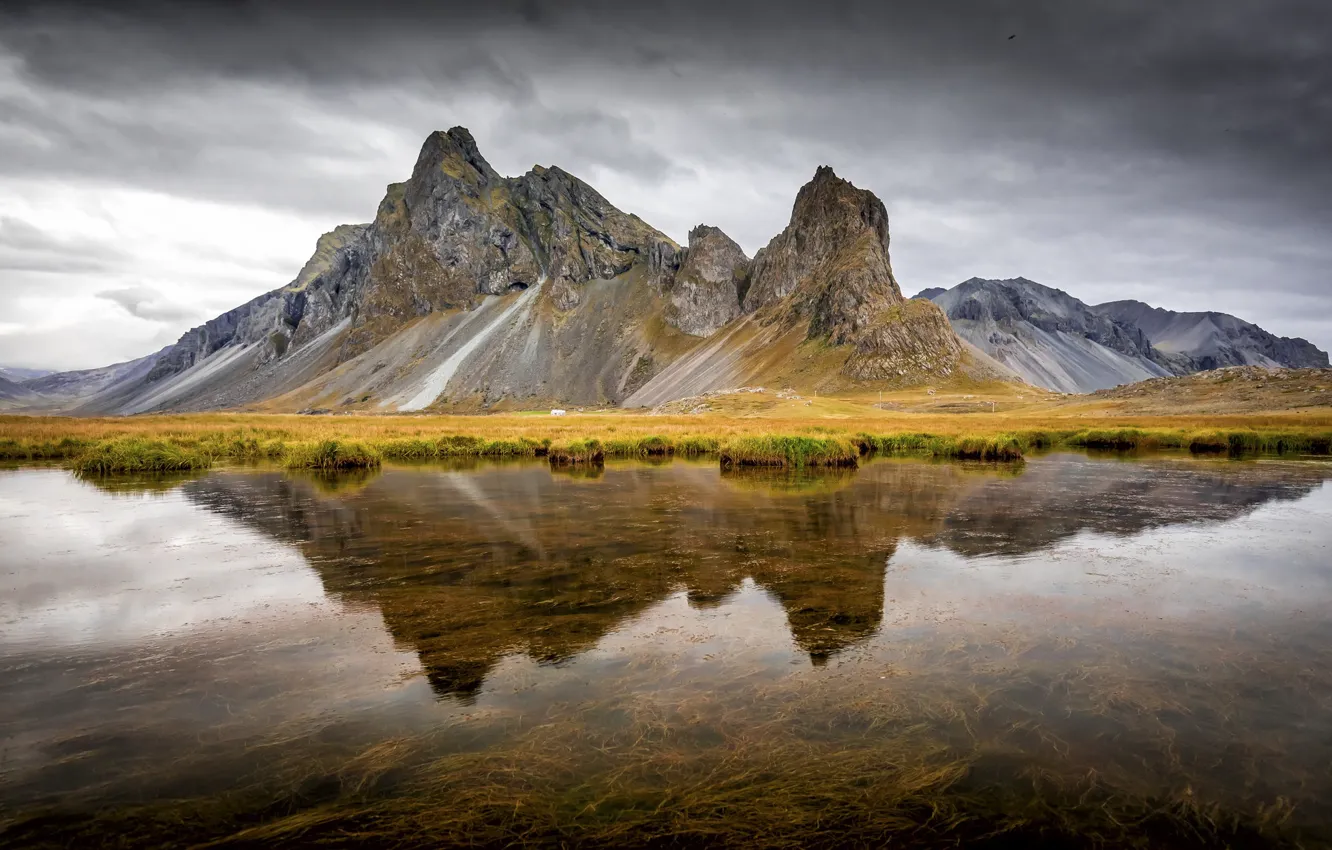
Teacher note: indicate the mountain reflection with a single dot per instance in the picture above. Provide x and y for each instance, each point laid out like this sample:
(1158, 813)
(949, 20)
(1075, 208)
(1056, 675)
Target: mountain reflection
(468, 566)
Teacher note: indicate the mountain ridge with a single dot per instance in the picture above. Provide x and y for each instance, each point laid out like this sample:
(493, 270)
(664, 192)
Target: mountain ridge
(470, 290)
(1210, 339)
(1057, 341)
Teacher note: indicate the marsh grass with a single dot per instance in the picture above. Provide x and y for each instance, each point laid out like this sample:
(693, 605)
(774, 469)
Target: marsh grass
(44, 449)
(998, 447)
(250, 438)
(565, 452)
(788, 451)
(653, 445)
(138, 455)
(1235, 442)
(330, 455)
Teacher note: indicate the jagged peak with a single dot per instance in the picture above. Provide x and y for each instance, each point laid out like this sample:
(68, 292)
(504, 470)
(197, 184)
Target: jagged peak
(708, 233)
(454, 152)
(827, 202)
(825, 172)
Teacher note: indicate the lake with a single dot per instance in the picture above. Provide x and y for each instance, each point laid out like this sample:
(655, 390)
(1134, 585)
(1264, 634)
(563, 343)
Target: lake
(1130, 651)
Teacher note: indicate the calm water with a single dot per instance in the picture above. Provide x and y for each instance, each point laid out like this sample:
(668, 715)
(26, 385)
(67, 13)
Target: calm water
(1132, 652)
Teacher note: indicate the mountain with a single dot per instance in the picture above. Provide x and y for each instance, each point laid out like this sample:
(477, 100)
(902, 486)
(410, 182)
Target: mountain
(15, 395)
(1205, 341)
(59, 391)
(820, 307)
(1054, 340)
(18, 374)
(470, 290)
(1047, 336)
(929, 294)
(537, 282)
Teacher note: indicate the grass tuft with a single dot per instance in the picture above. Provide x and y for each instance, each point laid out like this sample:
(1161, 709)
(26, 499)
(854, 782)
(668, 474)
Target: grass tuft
(997, 447)
(576, 451)
(330, 454)
(793, 451)
(135, 454)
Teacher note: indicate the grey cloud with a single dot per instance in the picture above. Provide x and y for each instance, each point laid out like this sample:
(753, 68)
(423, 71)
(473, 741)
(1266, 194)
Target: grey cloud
(26, 248)
(1174, 150)
(144, 302)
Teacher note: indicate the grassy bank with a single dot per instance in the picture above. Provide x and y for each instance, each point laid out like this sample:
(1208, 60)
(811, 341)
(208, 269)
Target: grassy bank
(194, 441)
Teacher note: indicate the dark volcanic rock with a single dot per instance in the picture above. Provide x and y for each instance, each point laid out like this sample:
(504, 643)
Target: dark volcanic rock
(708, 287)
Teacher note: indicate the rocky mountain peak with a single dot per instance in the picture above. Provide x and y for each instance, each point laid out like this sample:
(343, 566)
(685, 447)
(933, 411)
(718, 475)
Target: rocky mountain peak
(831, 266)
(453, 153)
(832, 256)
(708, 288)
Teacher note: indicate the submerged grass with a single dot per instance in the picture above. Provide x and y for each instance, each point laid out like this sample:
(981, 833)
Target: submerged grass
(459, 445)
(948, 755)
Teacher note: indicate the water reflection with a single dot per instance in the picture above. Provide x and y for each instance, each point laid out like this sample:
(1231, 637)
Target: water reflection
(1135, 650)
(468, 569)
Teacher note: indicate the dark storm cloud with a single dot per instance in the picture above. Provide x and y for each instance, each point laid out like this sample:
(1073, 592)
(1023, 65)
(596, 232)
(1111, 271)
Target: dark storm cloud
(1172, 151)
(1245, 83)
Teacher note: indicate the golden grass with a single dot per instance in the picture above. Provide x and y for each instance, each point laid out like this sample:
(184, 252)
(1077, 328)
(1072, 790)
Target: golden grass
(794, 451)
(974, 435)
(330, 454)
(137, 455)
(567, 452)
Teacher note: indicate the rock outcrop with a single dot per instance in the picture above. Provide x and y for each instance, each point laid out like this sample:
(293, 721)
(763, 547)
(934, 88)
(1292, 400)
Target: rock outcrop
(710, 284)
(830, 267)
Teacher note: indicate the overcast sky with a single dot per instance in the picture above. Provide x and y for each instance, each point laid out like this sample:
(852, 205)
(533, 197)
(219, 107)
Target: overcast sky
(163, 162)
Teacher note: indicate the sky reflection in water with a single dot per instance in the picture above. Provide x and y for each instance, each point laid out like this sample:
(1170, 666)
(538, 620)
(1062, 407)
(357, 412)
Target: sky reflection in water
(1159, 625)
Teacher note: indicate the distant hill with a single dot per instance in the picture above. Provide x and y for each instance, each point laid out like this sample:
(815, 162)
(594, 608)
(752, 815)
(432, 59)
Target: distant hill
(13, 394)
(19, 375)
(1056, 341)
(1211, 340)
(929, 294)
